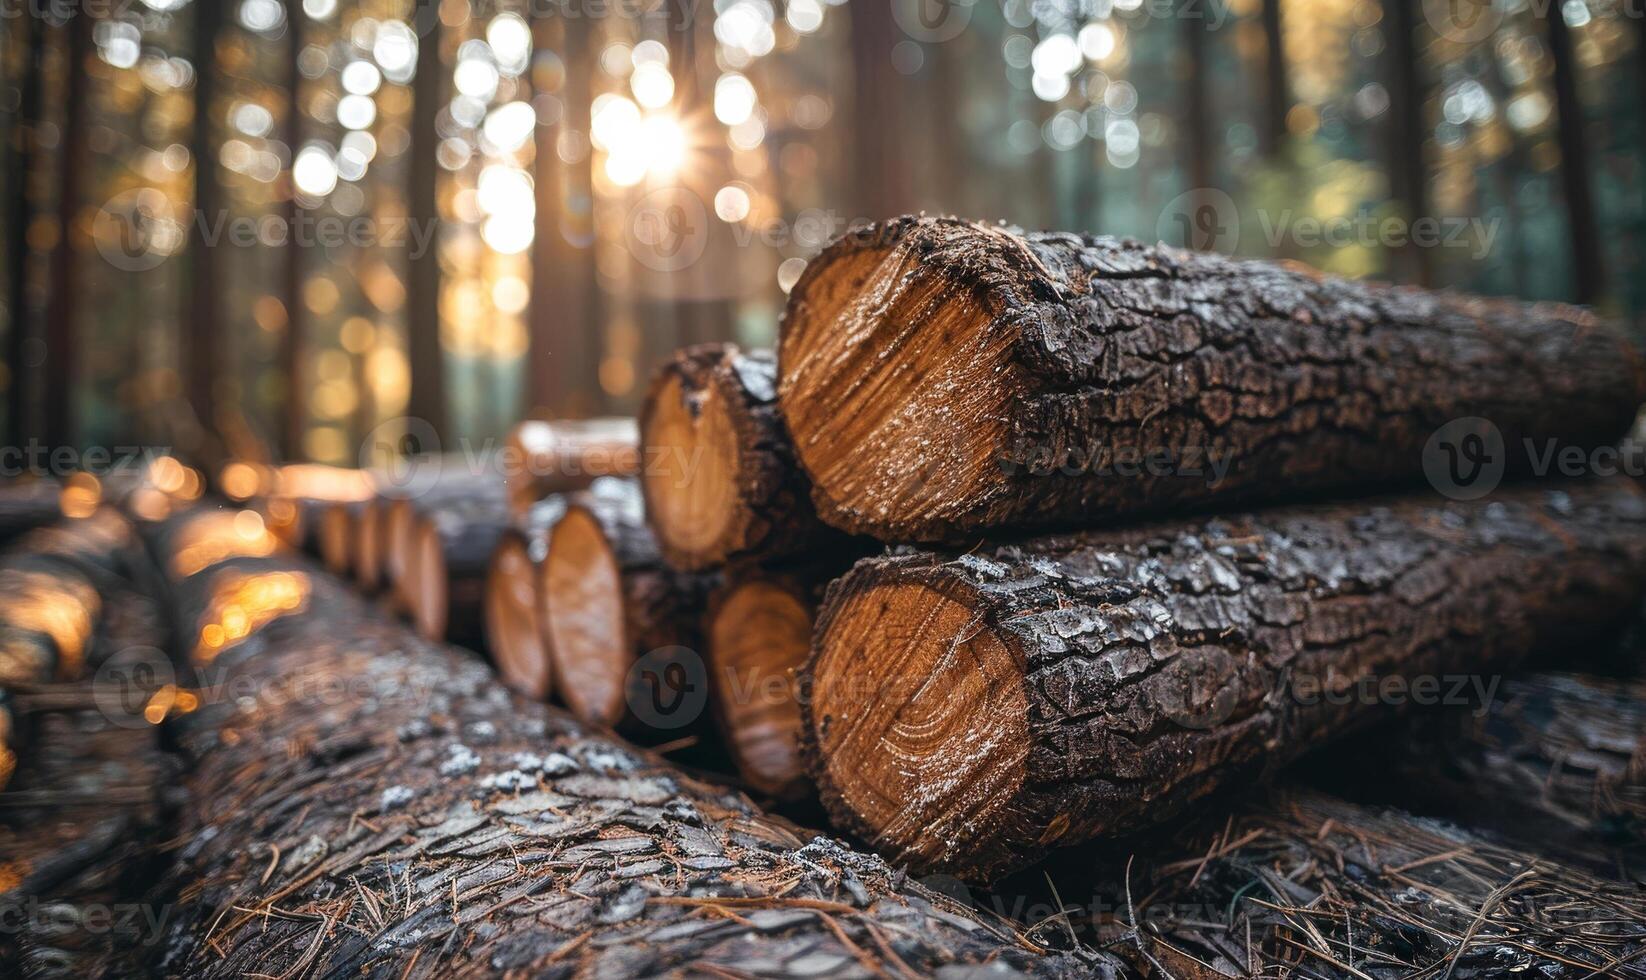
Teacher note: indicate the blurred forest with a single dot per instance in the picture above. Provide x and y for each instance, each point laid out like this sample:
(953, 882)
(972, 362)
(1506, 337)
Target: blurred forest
(284, 226)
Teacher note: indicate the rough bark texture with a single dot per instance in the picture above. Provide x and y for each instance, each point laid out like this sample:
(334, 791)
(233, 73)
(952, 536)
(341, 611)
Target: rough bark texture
(1306, 886)
(596, 640)
(941, 377)
(546, 458)
(971, 710)
(720, 478)
(1554, 762)
(425, 823)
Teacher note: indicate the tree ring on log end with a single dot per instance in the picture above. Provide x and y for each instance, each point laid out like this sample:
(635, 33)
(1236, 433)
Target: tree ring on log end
(428, 583)
(759, 638)
(513, 630)
(691, 483)
(921, 718)
(582, 589)
(893, 383)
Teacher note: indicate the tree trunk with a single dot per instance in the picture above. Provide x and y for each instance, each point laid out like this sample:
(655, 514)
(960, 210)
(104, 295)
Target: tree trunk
(452, 548)
(758, 634)
(424, 823)
(968, 711)
(544, 458)
(941, 377)
(1554, 762)
(720, 479)
(1588, 270)
(623, 629)
(427, 400)
(514, 621)
(1301, 885)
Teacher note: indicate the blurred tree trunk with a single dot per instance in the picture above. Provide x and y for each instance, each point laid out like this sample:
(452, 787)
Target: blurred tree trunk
(1408, 177)
(1587, 270)
(1277, 97)
(428, 372)
(878, 146)
(1198, 122)
(293, 414)
(565, 301)
(22, 153)
(62, 328)
(199, 349)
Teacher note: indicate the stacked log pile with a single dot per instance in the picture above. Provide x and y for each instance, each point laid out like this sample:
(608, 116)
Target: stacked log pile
(427, 823)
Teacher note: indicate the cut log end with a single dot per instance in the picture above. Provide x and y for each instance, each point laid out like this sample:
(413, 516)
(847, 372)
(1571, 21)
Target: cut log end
(919, 712)
(367, 550)
(513, 628)
(337, 538)
(891, 386)
(759, 636)
(429, 585)
(399, 530)
(588, 641)
(690, 485)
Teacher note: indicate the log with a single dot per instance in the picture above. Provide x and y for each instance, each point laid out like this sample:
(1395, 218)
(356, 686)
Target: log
(514, 621)
(1303, 885)
(27, 504)
(968, 711)
(366, 544)
(452, 548)
(720, 479)
(337, 535)
(424, 822)
(446, 487)
(543, 458)
(609, 600)
(758, 634)
(941, 377)
(1554, 762)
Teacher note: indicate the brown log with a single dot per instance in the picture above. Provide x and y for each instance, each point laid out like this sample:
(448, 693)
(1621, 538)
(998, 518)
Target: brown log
(452, 548)
(758, 634)
(426, 823)
(544, 458)
(514, 621)
(941, 377)
(608, 600)
(1304, 885)
(1554, 762)
(971, 710)
(337, 535)
(720, 478)
(366, 544)
(445, 487)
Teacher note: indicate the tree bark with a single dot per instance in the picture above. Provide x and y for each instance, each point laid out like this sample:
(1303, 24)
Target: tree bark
(426, 823)
(758, 634)
(1554, 762)
(1310, 886)
(544, 458)
(514, 621)
(609, 602)
(969, 711)
(941, 377)
(720, 479)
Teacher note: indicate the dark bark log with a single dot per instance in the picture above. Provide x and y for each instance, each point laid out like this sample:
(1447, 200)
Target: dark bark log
(545, 458)
(1554, 762)
(758, 634)
(426, 823)
(968, 711)
(421, 488)
(1301, 885)
(27, 504)
(941, 377)
(514, 621)
(609, 600)
(720, 478)
(454, 545)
